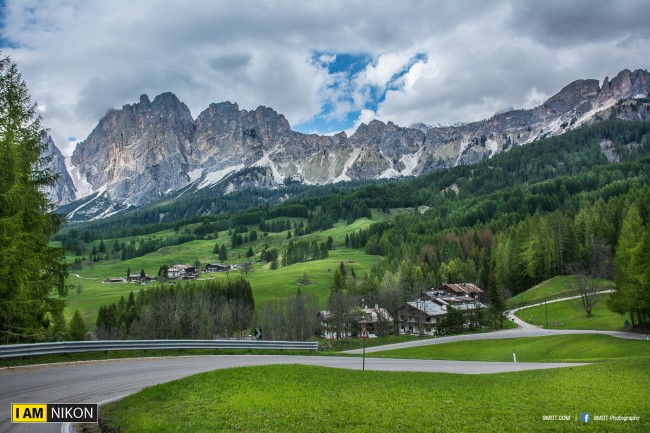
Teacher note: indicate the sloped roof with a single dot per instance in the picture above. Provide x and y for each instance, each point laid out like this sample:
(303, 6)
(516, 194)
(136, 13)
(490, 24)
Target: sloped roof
(429, 308)
(464, 288)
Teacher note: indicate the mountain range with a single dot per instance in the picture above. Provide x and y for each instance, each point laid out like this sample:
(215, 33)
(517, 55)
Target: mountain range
(151, 150)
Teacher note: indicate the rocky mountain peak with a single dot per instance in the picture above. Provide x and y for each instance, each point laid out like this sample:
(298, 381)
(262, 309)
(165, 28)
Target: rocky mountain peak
(631, 84)
(148, 149)
(572, 95)
(143, 143)
(63, 191)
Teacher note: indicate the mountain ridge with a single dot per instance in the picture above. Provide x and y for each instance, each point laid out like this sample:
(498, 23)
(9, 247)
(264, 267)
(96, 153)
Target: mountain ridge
(149, 149)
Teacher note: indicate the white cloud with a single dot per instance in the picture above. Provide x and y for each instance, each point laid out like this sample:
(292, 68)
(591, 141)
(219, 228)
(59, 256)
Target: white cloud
(80, 58)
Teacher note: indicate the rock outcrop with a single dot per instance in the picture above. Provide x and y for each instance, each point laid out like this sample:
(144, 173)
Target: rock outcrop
(63, 191)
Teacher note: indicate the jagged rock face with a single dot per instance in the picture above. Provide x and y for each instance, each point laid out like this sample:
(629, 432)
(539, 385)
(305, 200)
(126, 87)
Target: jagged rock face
(147, 149)
(139, 152)
(385, 150)
(63, 191)
(227, 137)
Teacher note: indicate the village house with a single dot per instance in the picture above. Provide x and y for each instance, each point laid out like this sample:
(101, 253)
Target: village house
(115, 280)
(181, 271)
(423, 314)
(467, 290)
(378, 320)
(216, 267)
(420, 317)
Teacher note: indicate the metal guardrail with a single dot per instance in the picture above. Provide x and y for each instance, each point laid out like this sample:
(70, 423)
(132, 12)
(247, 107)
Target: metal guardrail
(15, 350)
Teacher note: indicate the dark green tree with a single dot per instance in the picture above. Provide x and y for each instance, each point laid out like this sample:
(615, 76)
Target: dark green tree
(496, 304)
(628, 276)
(223, 253)
(77, 329)
(32, 273)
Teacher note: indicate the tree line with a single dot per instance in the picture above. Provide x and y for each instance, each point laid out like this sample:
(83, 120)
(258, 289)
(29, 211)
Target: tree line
(190, 310)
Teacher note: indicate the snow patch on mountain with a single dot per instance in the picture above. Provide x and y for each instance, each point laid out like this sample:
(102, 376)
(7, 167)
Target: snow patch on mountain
(83, 187)
(265, 161)
(195, 174)
(343, 177)
(410, 162)
(215, 176)
(492, 146)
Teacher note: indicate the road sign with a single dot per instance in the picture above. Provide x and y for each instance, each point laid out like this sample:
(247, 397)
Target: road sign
(258, 334)
(364, 332)
(627, 325)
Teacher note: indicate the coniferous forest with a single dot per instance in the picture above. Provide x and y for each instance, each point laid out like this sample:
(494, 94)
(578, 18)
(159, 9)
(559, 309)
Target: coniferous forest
(554, 207)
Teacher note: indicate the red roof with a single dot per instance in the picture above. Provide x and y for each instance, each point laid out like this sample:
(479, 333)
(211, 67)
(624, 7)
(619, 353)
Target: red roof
(462, 288)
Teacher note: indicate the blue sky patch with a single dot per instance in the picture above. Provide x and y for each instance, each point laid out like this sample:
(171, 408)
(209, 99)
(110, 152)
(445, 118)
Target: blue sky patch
(344, 70)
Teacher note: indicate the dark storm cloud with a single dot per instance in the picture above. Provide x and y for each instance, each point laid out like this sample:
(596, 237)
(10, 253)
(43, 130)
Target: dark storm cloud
(230, 62)
(574, 22)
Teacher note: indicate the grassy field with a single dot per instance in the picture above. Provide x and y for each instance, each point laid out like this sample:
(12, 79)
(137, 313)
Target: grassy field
(556, 348)
(553, 288)
(295, 398)
(267, 285)
(571, 315)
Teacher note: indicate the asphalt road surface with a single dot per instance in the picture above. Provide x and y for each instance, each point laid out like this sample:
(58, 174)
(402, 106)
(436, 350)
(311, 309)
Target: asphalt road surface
(104, 381)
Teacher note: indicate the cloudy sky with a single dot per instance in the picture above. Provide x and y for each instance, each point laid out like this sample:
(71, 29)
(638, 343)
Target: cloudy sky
(326, 65)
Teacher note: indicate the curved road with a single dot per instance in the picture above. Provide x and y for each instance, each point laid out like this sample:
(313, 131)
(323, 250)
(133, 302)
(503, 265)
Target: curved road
(103, 381)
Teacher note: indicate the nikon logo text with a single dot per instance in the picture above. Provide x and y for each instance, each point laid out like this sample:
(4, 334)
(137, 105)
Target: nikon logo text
(54, 412)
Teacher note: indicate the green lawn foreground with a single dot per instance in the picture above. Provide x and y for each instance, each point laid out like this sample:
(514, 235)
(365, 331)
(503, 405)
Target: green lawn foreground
(571, 315)
(296, 398)
(554, 348)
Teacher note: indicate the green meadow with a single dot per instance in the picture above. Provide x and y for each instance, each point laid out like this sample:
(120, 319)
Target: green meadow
(267, 284)
(571, 315)
(553, 288)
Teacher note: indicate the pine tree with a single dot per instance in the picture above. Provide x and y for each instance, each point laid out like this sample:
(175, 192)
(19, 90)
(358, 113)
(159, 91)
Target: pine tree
(223, 253)
(31, 270)
(77, 330)
(496, 304)
(629, 270)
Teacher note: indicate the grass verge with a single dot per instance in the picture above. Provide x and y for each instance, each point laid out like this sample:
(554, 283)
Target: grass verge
(556, 348)
(553, 288)
(296, 398)
(571, 315)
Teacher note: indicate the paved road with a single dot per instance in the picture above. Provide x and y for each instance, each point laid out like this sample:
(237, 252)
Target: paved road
(102, 381)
